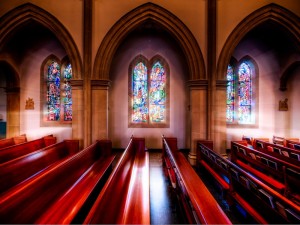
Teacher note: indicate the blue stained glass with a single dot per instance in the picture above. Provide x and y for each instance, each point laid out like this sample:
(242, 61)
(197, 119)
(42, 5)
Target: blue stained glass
(67, 92)
(244, 93)
(230, 95)
(140, 93)
(157, 93)
(53, 92)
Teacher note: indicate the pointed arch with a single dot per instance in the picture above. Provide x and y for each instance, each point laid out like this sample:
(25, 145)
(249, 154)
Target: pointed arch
(272, 12)
(28, 12)
(166, 20)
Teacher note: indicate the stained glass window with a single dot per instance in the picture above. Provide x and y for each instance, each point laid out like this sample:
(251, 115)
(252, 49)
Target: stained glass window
(140, 93)
(240, 102)
(245, 93)
(157, 93)
(148, 94)
(59, 92)
(67, 93)
(230, 94)
(53, 92)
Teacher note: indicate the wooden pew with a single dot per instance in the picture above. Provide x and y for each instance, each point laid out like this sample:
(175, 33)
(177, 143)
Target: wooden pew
(15, 151)
(284, 141)
(62, 194)
(125, 196)
(17, 170)
(281, 175)
(198, 204)
(293, 143)
(263, 203)
(279, 151)
(12, 141)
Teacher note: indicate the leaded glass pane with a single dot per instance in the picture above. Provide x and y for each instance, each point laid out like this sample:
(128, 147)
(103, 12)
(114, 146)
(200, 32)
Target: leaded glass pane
(245, 93)
(140, 93)
(230, 94)
(157, 93)
(67, 93)
(53, 92)
(229, 113)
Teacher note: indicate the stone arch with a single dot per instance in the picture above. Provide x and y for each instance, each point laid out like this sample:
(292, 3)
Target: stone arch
(28, 12)
(160, 16)
(271, 12)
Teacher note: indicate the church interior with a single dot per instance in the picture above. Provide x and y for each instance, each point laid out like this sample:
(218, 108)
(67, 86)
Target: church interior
(161, 112)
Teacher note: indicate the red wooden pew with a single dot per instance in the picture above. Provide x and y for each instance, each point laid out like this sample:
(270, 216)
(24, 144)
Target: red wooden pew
(125, 196)
(263, 203)
(61, 194)
(18, 170)
(24, 148)
(12, 141)
(198, 204)
(281, 175)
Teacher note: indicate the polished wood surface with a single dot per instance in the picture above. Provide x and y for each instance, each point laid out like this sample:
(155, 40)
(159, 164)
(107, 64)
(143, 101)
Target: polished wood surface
(20, 149)
(12, 141)
(125, 197)
(63, 188)
(261, 201)
(198, 203)
(26, 166)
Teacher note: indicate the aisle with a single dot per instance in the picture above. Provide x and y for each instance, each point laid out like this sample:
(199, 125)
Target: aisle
(162, 209)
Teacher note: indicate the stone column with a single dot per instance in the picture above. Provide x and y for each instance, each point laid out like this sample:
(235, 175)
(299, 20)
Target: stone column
(198, 115)
(99, 109)
(78, 112)
(219, 106)
(13, 112)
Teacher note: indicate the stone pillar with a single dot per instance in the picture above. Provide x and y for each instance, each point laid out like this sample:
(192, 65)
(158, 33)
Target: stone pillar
(198, 115)
(99, 109)
(13, 112)
(78, 112)
(219, 108)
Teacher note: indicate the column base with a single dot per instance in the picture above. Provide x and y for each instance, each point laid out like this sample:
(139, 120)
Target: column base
(192, 158)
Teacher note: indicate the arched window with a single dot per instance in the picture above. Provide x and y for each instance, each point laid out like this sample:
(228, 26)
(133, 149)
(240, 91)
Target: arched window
(148, 92)
(56, 95)
(241, 88)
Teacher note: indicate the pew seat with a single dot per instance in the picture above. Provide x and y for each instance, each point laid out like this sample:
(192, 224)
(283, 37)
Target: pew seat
(224, 185)
(278, 186)
(256, 215)
(12, 141)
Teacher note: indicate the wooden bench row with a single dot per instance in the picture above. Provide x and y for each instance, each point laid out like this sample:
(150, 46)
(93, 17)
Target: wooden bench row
(28, 166)
(12, 141)
(281, 152)
(125, 198)
(20, 149)
(198, 204)
(281, 175)
(261, 202)
(62, 192)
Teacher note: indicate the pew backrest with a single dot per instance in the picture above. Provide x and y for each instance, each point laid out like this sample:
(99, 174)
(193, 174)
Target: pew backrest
(15, 151)
(12, 141)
